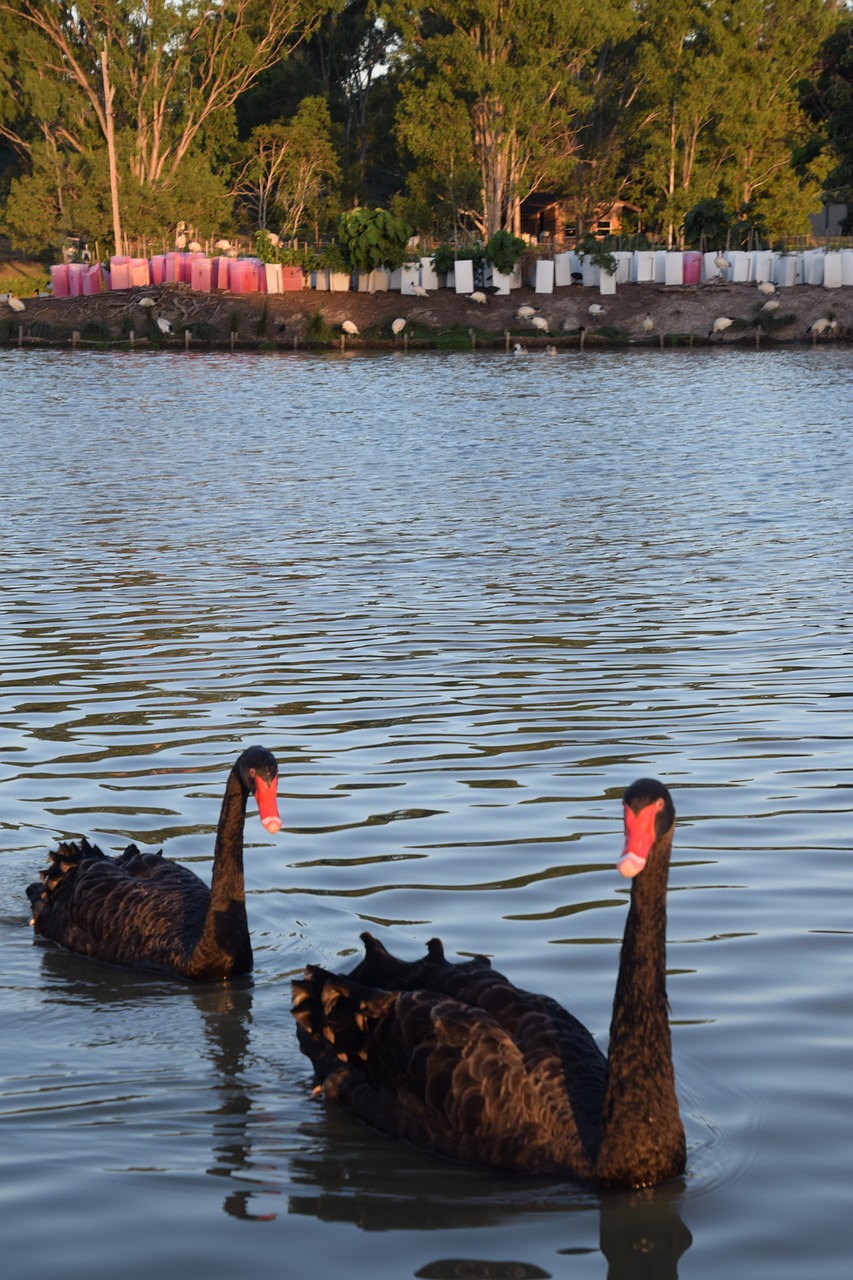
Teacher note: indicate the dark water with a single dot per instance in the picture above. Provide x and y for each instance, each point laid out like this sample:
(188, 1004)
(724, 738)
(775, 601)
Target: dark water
(465, 599)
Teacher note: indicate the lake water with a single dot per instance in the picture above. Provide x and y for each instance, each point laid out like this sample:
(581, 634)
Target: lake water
(466, 599)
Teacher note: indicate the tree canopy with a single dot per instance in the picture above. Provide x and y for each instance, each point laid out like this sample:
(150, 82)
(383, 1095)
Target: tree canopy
(230, 114)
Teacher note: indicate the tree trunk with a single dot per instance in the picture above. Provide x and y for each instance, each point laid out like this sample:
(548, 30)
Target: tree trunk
(111, 150)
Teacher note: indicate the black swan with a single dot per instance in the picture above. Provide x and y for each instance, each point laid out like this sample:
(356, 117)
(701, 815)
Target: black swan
(455, 1059)
(147, 912)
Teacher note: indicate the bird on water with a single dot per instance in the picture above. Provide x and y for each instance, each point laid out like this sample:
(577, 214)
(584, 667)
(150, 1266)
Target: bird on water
(455, 1059)
(144, 911)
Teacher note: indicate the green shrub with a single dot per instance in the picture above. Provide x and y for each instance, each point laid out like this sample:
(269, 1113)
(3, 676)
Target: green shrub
(373, 238)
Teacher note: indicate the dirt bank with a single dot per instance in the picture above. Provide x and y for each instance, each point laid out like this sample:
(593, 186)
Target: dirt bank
(680, 315)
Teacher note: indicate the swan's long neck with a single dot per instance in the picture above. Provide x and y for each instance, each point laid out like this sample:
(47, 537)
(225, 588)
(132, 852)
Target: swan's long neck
(642, 1138)
(225, 935)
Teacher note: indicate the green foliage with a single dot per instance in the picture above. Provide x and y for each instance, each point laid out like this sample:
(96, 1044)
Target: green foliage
(331, 258)
(444, 117)
(290, 170)
(456, 338)
(318, 331)
(203, 331)
(707, 224)
(443, 259)
(15, 282)
(373, 238)
(598, 254)
(470, 253)
(498, 88)
(265, 249)
(96, 331)
(175, 71)
(505, 251)
(827, 98)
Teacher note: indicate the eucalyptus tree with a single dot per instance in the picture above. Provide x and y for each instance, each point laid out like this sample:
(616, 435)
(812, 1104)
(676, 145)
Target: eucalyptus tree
(290, 170)
(718, 106)
(345, 60)
(176, 67)
(500, 86)
(767, 49)
(827, 97)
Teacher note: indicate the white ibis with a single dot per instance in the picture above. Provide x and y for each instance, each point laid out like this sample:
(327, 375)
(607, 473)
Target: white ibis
(478, 297)
(720, 325)
(648, 324)
(525, 312)
(596, 309)
(350, 327)
(397, 326)
(164, 325)
(540, 323)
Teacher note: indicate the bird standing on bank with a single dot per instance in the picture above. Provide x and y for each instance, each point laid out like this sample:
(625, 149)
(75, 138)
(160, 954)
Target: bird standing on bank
(720, 325)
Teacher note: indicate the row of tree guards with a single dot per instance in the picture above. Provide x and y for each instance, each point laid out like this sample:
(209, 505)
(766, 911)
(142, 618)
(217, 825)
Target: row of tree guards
(829, 268)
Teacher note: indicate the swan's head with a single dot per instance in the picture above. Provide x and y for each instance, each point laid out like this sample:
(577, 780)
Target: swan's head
(257, 769)
(649, 814)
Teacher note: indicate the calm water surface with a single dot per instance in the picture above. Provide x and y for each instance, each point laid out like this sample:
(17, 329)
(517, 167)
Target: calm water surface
(466, 599)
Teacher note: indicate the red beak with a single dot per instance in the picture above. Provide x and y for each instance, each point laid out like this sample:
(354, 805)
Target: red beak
(639, 838)
(267, 805)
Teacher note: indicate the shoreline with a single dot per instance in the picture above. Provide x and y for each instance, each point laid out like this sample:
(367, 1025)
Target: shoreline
(681, 317)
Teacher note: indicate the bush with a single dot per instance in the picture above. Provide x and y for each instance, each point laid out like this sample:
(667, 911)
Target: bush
(598, 255)
(707, 225)
(504, 251)
(373, 238)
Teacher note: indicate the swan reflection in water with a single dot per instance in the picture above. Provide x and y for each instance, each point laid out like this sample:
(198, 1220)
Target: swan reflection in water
(148, 1015)
(335, 1170)
(640, 1233)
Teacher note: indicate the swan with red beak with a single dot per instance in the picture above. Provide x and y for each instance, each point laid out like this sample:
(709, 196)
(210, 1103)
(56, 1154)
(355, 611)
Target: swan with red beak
(144, 911)
(457, 1060)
